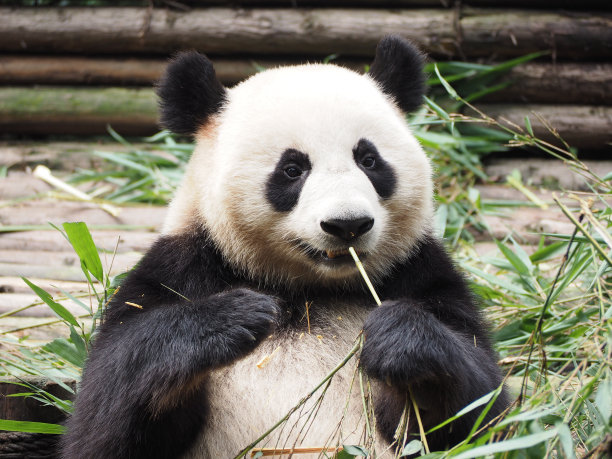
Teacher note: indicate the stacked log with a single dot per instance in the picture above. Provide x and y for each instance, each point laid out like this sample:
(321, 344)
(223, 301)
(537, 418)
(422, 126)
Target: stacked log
(68, 51)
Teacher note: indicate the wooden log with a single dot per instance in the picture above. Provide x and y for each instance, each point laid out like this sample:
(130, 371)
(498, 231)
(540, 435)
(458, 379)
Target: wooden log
(586, 127)
(54, 287)
(117, 263)
(58, 70)
(28, 409)
(137, 241)
(560, 83)
(43, 211)
(548, 173)
(218, 30)
(77, 111)
(534, 82)
(62, 156)
(184, 4)
(500, 33)
(41, 69)
(10, 302)
(477, 32)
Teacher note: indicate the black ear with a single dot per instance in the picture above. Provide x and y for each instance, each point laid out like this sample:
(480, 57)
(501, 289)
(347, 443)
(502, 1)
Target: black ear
(398, 68)
(189, 93)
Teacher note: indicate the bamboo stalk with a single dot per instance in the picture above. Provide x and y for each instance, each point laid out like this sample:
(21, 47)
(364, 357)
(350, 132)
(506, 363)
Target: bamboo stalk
(43, 173)
(303, 450)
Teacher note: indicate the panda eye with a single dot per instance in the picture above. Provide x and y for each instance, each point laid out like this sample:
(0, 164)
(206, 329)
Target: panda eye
(293, 171)
(368, 162)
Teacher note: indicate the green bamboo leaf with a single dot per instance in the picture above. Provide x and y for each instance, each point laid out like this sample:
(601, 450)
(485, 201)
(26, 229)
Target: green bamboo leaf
(449, 89)
(83, 244)
(441, 219)
(528, 125)
(603, 398)
(495, 280)
(565, 437)
(79, 343)
(65, 350)
(548, 251)
(436, 108)
(513, 258)
(57, 308)
(31, 427)
(343, 455)
(472, 406)
(508, 445)
(415, 446)
(355, 450)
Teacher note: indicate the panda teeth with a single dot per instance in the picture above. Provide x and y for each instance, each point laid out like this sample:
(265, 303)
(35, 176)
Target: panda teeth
(331, 254)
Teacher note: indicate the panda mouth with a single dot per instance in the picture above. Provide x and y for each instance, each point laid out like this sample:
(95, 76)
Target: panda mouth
(332, 257)
(336, 254)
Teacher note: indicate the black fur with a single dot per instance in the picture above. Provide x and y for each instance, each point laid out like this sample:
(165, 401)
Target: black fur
(381, 174)
(143, 388)
(189, 93)
(283, 191)
(398, 68)
(429, 335)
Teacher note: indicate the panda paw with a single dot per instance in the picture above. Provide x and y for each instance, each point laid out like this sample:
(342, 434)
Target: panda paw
(238, 321)
(405, 344)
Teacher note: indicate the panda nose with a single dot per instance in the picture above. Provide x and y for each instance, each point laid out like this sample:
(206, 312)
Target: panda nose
(347, 230)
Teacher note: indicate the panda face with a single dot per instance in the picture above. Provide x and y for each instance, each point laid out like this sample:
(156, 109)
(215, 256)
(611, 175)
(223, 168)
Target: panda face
(302, 163)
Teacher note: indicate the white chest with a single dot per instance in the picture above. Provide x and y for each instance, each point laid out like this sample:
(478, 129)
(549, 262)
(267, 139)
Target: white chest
(247, 399)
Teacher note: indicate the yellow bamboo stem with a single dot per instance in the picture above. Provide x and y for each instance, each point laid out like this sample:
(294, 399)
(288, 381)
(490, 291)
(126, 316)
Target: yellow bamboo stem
(364, 275)
(303, 450)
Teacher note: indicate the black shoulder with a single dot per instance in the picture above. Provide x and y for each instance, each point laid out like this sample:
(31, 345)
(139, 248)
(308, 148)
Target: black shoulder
(430, 275)
(176, 268)
(398, 68)
(189, 93)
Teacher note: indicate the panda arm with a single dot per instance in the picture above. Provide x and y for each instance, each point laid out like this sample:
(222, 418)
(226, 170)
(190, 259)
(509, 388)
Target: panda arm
(429, 337)
(141, 393)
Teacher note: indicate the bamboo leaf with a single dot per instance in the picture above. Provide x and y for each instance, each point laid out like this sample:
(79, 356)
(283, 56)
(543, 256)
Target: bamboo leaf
(513, 258)
(508, 445)
(472, 406)
(65, 350)
(528, 126)
(31, 427)
(449, 89)
(57, 308)
(415, 446)
(565, 437)
(355, 450)
(83, 244)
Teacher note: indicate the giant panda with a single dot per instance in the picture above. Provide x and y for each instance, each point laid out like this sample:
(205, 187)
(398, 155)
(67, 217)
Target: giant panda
(291, 168)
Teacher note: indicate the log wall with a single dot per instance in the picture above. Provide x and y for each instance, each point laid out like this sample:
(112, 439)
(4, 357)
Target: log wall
(61, 67)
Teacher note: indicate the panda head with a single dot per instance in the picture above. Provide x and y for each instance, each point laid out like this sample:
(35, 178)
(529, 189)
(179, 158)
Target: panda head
(296, 164)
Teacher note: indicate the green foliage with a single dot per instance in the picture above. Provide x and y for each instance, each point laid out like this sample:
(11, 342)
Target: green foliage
(63, 358)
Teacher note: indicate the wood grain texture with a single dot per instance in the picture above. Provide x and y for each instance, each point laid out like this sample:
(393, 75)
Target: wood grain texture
(314, 32)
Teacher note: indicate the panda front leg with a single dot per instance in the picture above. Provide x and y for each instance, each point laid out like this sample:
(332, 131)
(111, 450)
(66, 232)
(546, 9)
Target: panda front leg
(141, 395)
(412, 351)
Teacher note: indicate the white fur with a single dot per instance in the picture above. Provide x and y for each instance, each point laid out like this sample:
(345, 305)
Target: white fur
(322, 111)
(245, 401)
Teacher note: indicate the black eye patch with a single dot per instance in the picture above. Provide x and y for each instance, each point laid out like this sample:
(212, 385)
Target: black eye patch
(285, 183)
(378, 170)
